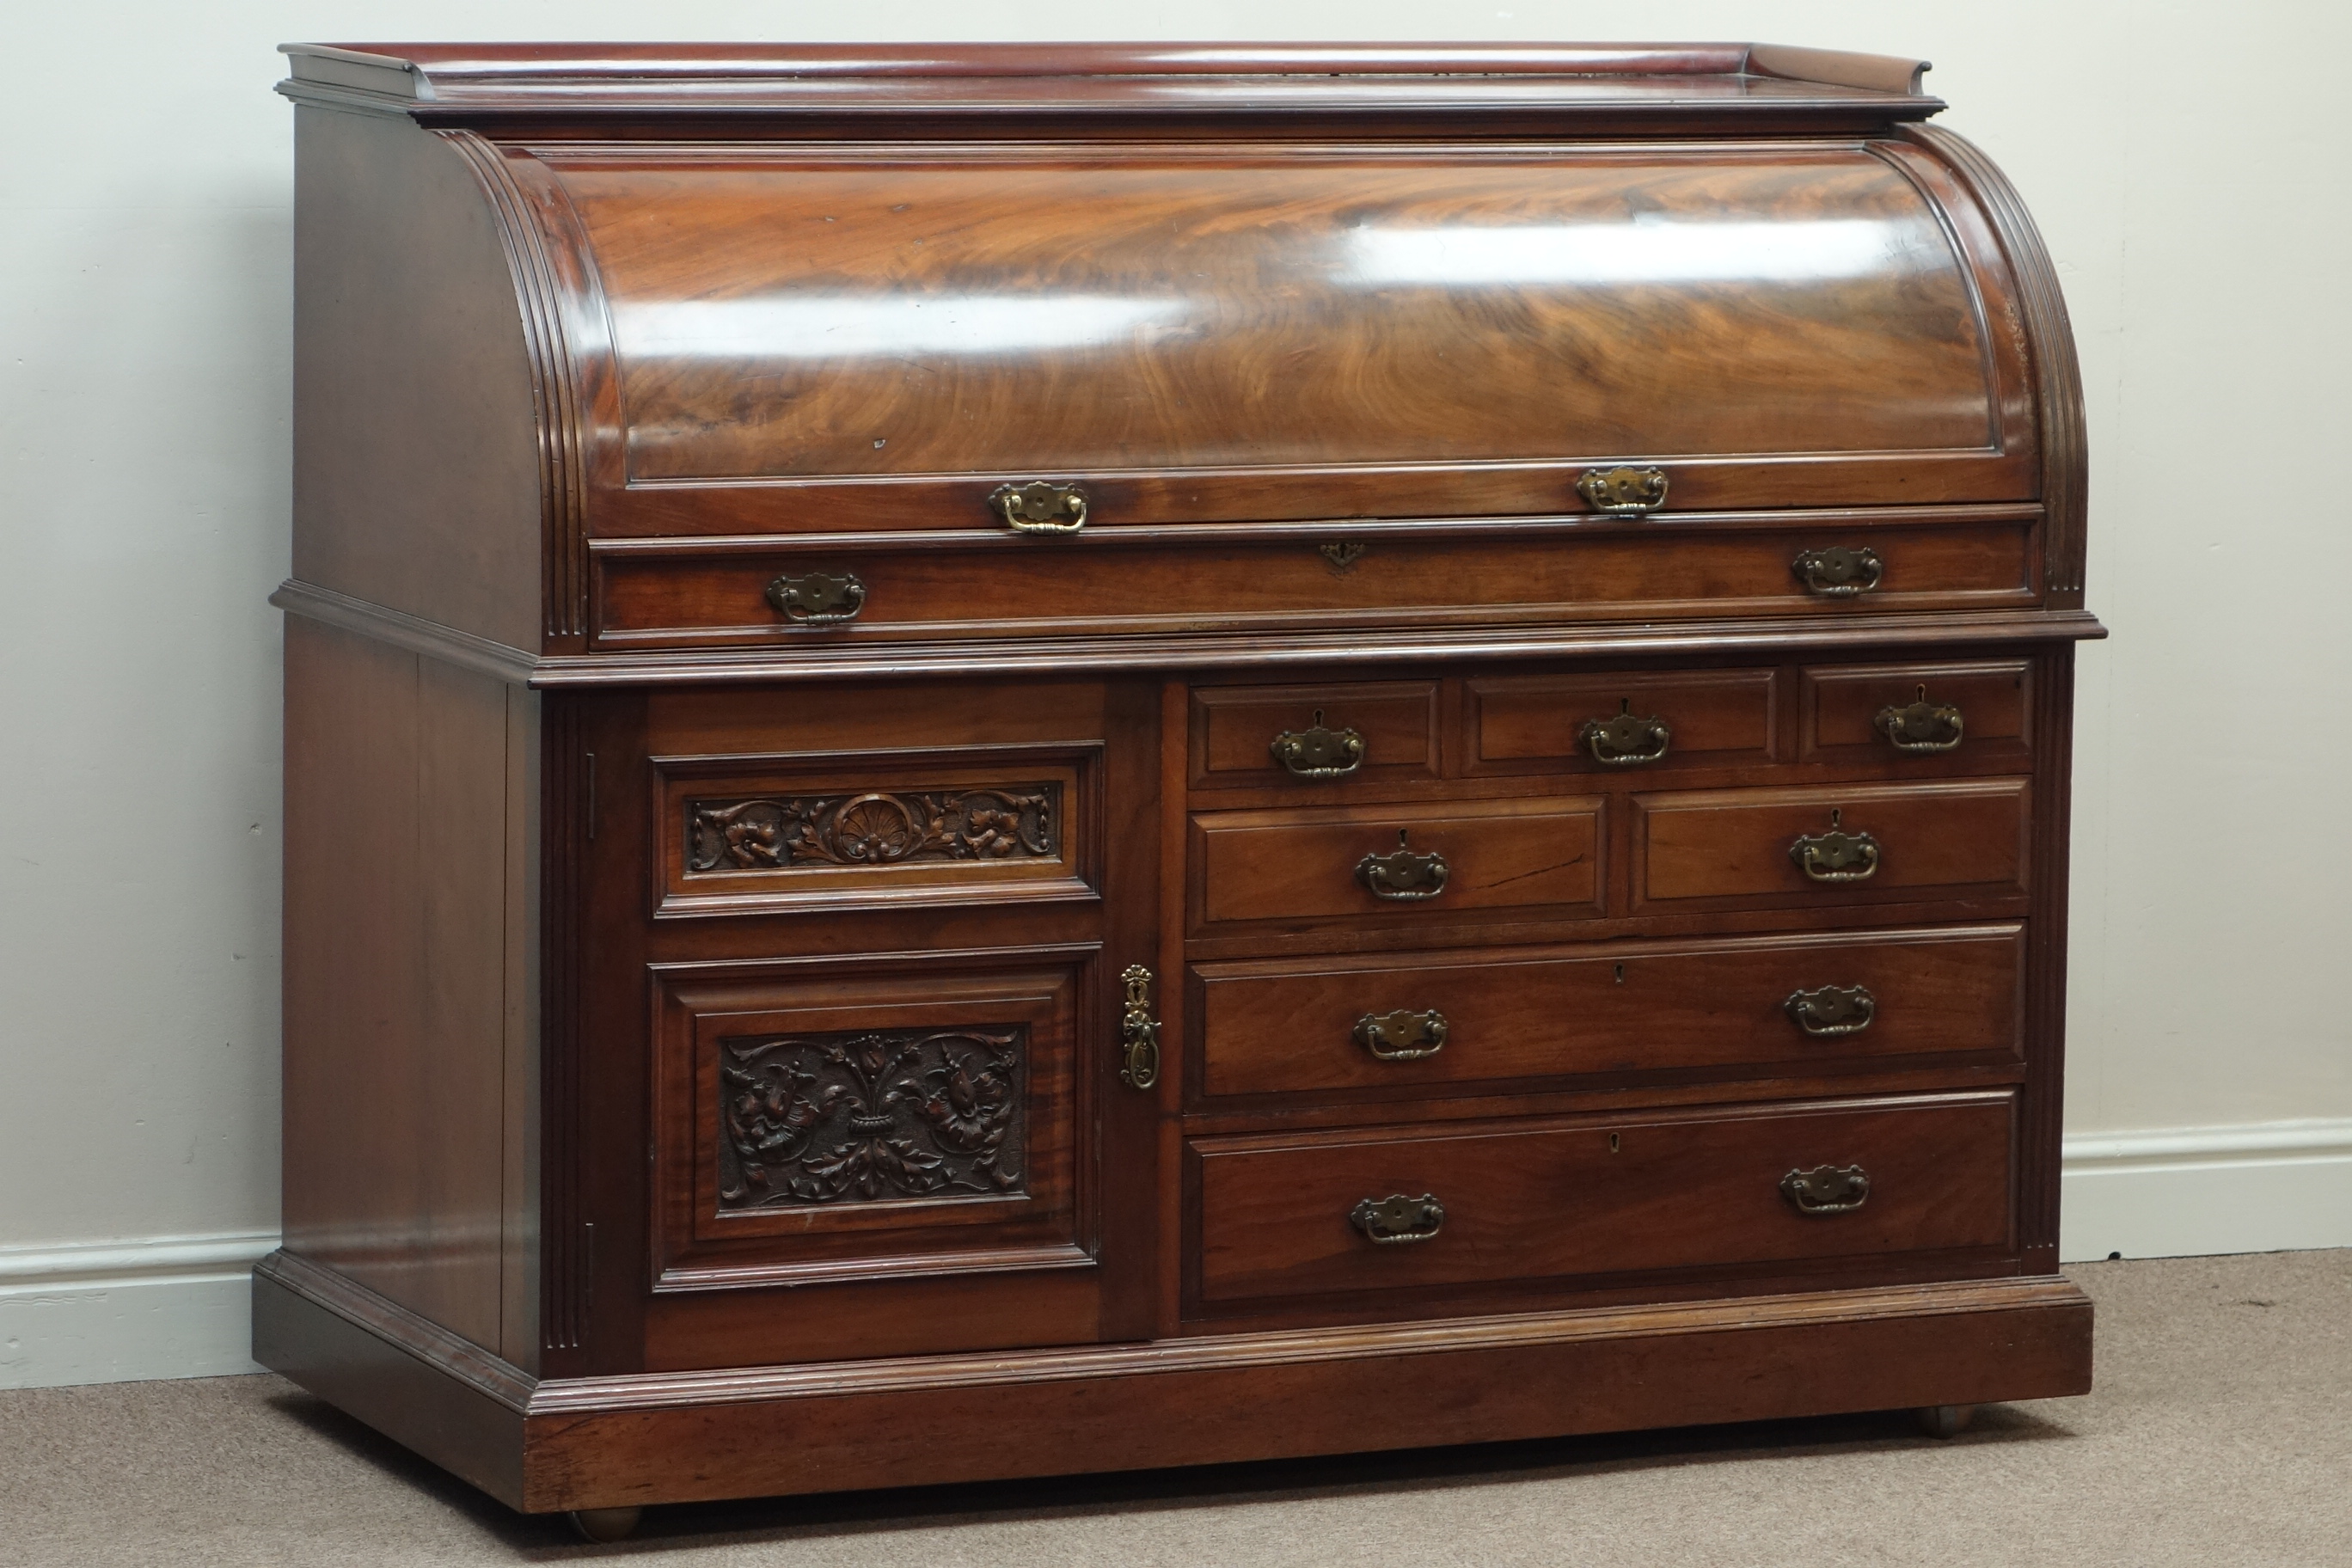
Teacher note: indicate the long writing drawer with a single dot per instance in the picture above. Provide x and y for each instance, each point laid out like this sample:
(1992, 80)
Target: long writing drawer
(1830, 844)
(651, 595)
(1304, 1025)
(1487, 857)
(1395, 1208)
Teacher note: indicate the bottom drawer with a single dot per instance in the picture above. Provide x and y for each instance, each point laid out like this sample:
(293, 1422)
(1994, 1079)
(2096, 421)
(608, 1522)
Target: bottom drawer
(1306, 1214)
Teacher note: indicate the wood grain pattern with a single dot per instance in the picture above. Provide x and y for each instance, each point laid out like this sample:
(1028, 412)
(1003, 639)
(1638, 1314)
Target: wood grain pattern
(1300, 865)
(1274, 315)
(1287, 1027)
(1609, 1195)
(1730, 845)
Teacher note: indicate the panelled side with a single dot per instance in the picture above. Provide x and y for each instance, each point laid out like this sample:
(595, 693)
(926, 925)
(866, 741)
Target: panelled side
(408, 1055)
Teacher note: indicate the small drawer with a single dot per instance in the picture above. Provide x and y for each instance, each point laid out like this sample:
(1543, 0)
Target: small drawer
(1262, 736)
(663, 594)
(1830, 844)
(1306, 1214)
(883, 829)
(1797, 1003)
(1918, 713)
(1492, 857)
(1619, 723)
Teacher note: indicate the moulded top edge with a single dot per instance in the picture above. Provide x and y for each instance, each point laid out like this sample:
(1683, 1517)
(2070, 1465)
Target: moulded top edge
(1078, 79)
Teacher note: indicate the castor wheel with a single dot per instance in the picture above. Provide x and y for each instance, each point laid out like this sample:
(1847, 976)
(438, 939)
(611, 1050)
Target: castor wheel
(603, 1525)
(1945, 1420)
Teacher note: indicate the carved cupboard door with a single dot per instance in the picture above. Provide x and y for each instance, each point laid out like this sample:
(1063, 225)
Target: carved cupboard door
(884, 932)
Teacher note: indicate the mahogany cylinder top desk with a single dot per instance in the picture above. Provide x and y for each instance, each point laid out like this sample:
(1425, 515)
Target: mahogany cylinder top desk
(1021, 760)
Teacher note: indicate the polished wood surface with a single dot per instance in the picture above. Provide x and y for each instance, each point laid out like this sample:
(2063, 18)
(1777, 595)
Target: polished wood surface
(721, 1045)
(1657, 1010)
(1626, 1196)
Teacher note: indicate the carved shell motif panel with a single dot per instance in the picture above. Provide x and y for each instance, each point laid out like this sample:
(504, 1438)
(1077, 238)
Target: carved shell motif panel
(873, 828)
(875, 1116)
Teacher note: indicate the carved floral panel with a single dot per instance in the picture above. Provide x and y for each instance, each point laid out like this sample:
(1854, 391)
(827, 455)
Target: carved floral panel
(871, 1117)
(875, 828)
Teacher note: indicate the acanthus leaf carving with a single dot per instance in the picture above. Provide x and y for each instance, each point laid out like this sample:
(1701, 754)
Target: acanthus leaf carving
(873, 828)
(870, 1117)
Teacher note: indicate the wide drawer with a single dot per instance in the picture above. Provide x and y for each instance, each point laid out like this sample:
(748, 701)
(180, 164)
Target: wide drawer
(1278, 1216)
(1302, 1027)
(652, 594)
(1832, 845)
(1484, 856)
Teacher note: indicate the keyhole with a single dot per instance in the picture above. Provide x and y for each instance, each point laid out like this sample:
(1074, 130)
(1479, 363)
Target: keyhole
(1836, 815)
(1624, 706)
(1318, 712)
(1612, 1142)
(1621, 975)
(1923, 696)
(1400, 837)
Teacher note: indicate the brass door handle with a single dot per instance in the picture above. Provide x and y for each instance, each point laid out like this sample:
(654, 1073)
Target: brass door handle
(1624, 491)
(1402, 1035)
(1836, 856)
(1401, 874)
(818, 599)
(1627, 741)
(1040, 507)
(1832, 1011)
(1838, 573)
(1921, 726)
(1827, 1189)
(1139, 1032)
(1316, 752)
(1396, 1219)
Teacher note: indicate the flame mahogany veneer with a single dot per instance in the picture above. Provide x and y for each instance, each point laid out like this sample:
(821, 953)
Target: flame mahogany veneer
(1009, 759)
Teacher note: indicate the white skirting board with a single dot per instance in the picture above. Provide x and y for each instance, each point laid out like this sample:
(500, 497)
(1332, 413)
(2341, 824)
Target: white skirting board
(182, 1306)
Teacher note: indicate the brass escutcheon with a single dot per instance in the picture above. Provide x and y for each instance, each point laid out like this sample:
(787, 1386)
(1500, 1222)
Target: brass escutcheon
(1139, 1032)
(1402, 874)
(1403, 1035)
(1838, 573)
(1624, 491)
(1827, 1189)
(1398, 1218)
(1923, 726)
(1836, 856)
(1316, 752)
(1832, 1011)
(1040, 507)
(1627, 741)
(818, 599)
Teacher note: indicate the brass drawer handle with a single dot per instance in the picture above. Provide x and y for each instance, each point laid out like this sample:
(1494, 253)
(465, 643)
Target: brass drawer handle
(1396, 1219)
(1838, 573)
(1139, 1032)
(1403, 1035)
(819, 599)
(1922, 726)
(1402, 874)
(1836, 856)
(1827, 1189)
(1040, 507)
(1832, 1011)
(1628, 741)
(1624, 490)
(1317, 753)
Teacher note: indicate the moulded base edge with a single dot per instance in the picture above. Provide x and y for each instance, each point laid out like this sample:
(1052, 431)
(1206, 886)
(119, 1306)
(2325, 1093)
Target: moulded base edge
(606, 1441)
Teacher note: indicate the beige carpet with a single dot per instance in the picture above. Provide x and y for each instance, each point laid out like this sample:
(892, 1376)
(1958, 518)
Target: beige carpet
(2221, 1434)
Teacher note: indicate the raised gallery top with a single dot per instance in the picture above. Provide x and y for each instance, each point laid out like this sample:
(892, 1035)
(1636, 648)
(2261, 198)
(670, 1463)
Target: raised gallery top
(1659, 86)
